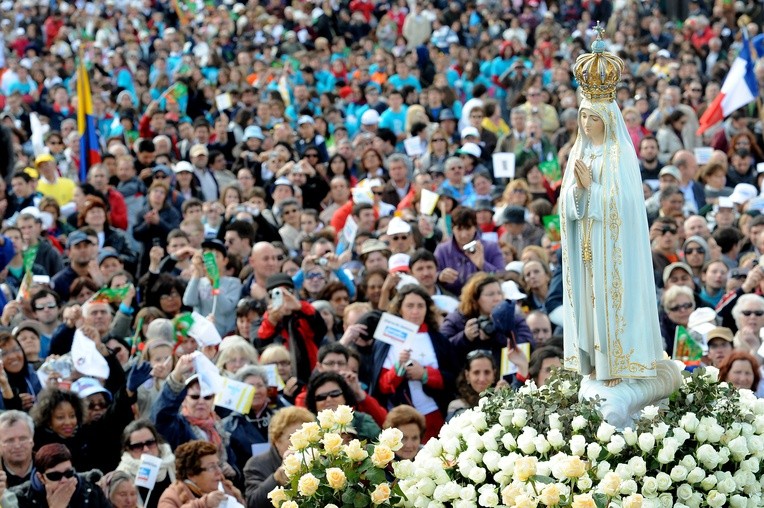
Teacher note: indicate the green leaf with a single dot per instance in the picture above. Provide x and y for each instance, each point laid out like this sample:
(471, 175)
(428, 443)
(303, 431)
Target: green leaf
(600, 500)
(361, 500)
(376, 476)
(542, 479)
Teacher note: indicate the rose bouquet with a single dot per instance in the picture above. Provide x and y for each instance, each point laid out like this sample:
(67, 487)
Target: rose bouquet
(542, 447)
(326, 470)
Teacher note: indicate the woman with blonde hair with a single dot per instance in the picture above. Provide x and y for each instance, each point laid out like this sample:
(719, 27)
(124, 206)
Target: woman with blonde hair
(158, 361)
(234, 353)
(414, 114)
(438, 151)
(278, 355)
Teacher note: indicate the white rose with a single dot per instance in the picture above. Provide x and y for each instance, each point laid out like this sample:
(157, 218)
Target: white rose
(666, 454)
(629, 487)
(578, 423)
(711, 374)
(550, 495)
(468, 493)
(593, 451)
(511, 492)
(708, 483)
(688, 461)
(574, 467)
(577, 445)
(508, 440)
(666, 500)
(646, 442)
(555, 438)
(584, 483)
(649, 486)
(392, 438)
(708, 456)
(739, 448)
(689, 422)
(488, 498)
(684, 492)
(505, 417)
(326, 419)
(650, 412)
(525, 443)
(519, 418)
(477, 475)
(630, 436)
(715, 433)
(616, 445)
(660, 430)
(738, 501)
(716, 499)
(491, 460)
(696, 476)
(603, 468)
(604, 432)
(638, 466)
(343, 415)
(680, 435)
(679, 473)
(726, 486)
(554, 421)
(525, 467)
(610, 484)
(541, 444)
(633, 501)
(664, 481)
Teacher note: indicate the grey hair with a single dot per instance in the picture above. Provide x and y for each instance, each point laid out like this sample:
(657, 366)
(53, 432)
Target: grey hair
(451, 161)
(741, 302)
(13, 416)
(673, 292)
(399, 157)
(161, 329)
(251, 370)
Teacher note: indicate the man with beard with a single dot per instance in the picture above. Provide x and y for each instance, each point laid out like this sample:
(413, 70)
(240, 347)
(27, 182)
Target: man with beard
(82, 251)
(649, 167)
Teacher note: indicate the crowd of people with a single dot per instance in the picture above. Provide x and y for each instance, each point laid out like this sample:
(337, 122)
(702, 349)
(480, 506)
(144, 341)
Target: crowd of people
(272, 168)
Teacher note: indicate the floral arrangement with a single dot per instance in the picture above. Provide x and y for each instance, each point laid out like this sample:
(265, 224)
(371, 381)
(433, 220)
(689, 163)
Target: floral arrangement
(542, 447)
(326, 471)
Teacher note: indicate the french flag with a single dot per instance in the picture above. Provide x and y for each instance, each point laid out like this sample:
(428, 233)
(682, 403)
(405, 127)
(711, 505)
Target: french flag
(739, 88)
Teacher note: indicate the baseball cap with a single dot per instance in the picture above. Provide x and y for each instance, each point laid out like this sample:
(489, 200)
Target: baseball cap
(446, 114)
(470, 131)
(398, 262)
(719, 332)
(663, 53)
(182, 166)
(370, 117)
(86, 386)
(470, 149)
(161, 168)
(198, 150)
(44, 157)
(76, 238)
(106, 254)
(673, 266)
(306, 119)
(278, 280)
(253, 131)
(398, 226)
(672, 171)
(215, 244)
(743, 193)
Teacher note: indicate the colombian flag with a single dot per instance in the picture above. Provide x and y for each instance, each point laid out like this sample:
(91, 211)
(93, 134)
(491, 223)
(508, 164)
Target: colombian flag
(89, 149)
(739, 89)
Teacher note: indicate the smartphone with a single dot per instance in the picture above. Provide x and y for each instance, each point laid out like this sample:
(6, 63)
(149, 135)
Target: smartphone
(277, 298)
(156, 242)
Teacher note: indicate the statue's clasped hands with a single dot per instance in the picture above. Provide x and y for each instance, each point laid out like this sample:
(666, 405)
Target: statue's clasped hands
(582, 174)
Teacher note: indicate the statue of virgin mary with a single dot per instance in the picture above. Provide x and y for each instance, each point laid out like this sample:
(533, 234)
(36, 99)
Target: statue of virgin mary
(610, 313)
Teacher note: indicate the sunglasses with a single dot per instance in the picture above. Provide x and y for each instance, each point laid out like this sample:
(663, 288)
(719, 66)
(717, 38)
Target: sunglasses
(683, 306)
(311, 276)
(143, 444)
(377, 193)
(668, 230)
(46, 306)
(161, 176)
(479, 353)
(698, 250)
(312, 155)
(57, 476)
(399, 237)
(197, 396)
(333, 394)
(94, 406)
(757, 313)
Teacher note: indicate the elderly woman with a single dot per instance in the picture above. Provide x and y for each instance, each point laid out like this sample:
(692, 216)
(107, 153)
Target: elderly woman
(486, 320)
(677, 303)
(142, 437)
(425, 376)
(199, 475)
(412, 424)
(185, 411)
(56, 483)
(329, 390)
(265, 472)
(18, 380)
(235, 353)
(696, 254)
(119, 489)
(748, 313)
(741, 370)
(252, 428)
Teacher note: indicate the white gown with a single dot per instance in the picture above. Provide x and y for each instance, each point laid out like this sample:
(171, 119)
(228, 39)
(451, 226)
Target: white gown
(610, 318)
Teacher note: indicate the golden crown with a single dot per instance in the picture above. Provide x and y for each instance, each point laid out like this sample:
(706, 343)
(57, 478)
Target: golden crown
(599, 72)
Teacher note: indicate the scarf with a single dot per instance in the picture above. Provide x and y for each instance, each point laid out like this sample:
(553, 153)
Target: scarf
(423, 328)
(207, 425)
(130, 465)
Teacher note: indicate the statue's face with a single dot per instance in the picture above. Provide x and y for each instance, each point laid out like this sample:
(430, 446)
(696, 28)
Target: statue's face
(593, 126)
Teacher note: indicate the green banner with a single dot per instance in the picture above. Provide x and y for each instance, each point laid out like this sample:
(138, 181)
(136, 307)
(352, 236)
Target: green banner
(552, 226)
(29, 256)
(182, 323)
(112, 295)
(686, 348)
(212, 269)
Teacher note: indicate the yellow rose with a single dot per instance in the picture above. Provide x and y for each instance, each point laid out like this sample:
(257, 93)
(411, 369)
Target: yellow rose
(550, 495)
(633, 501)
(336, 478)
(355, 451)
(332, 443)
(583, 501)
(510, 493)
(312, 432)
(326, 419)
(610, 484)
(382, 456)
(292, 465)
(525, 467)
(574, 467)
(308, 485)
(277, 496)
(299, 440)
(343, 415)
(289, 504)
(380, 494)
(392, 438)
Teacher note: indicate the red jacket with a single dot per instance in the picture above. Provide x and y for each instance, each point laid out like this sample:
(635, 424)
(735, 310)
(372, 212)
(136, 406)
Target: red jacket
(118, 209)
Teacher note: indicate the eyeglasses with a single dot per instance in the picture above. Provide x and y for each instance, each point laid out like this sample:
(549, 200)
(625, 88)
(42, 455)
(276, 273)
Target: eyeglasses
(43, 306)
(57, 476)
(332, 364)
(479, 353)
(757, 313)
(141, 445)
(16, 350)
(94, 406)
(683, 306)
(533, 94)
(697, 250)
(160, 176)
(311, 155)
(312, 276)
(377, 192)
(439, 140)
(171, 294)
(399, 237)
(282, 363)
(696, 90)
(197, 396)
(51, 142)
(217, 466)
(332, 394)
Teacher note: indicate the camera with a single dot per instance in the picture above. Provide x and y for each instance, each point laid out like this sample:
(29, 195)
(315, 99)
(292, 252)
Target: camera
(323, 261)
(277, 298)
(470, 247)
(485, 324)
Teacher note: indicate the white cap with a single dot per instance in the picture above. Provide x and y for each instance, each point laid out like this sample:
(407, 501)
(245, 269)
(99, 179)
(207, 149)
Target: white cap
(370, 117)
(470, 131)
(306, 119)
(87, 386)
(398, 262)
(182, 166)
(702, 320)
(398, 226)
(743, 193)
(725, 202)
(664, 53)
(515, 266)
(511, 290)
(470, 149)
